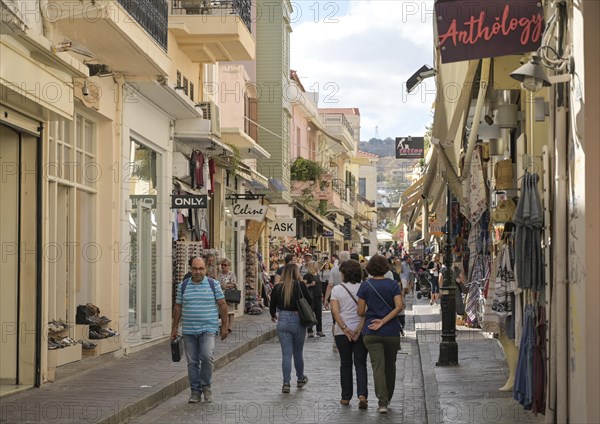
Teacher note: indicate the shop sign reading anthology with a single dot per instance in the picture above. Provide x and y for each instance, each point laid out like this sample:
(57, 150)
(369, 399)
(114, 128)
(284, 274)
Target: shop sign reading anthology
(482, 28)
(249, 209)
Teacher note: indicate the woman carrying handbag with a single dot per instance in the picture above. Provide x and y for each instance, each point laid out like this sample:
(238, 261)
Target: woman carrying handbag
(290, 331)
(380, 301)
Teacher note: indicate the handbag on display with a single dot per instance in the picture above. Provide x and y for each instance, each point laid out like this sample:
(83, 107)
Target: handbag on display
(176, 349)
(232, 295)
(504, 211)
(307, 315)
(504, 174)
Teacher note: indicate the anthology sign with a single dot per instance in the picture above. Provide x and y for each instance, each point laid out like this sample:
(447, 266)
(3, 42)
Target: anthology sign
(249, 209)
(482, 28)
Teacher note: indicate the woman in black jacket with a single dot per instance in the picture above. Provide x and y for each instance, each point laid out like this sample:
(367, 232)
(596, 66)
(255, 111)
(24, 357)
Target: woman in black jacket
(290, 332)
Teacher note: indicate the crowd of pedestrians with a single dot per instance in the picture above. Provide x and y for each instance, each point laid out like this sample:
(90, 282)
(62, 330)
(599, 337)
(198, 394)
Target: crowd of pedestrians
(366, 299)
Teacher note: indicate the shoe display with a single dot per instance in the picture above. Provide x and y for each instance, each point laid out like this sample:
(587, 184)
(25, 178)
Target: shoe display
(208, 396)
(363, 403)
(344, 402)
(195, 397)
(285, 388)
(302, 382)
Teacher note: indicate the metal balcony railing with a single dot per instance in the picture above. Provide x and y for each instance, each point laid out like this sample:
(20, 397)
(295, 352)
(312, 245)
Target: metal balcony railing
(339, 186)
(241, 8)
(152, 15)
(337, 118)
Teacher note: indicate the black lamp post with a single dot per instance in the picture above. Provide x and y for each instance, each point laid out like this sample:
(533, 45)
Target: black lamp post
(448, 345)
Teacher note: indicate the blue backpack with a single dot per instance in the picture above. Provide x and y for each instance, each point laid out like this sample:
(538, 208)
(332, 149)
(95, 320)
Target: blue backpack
(211, 283)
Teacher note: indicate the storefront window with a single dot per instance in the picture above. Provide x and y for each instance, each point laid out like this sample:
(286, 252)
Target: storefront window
(144, 288)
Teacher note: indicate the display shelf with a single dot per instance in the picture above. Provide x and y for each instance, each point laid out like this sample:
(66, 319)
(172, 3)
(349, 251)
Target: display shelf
(64, 355)
(110, 344)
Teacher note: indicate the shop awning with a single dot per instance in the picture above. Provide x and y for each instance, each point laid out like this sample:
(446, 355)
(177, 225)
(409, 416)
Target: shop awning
(175, 102)
(384, 236)
(454, 84)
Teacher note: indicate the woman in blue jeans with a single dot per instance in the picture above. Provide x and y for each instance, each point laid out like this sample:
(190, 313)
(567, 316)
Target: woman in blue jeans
(347, 332)
(291, 333)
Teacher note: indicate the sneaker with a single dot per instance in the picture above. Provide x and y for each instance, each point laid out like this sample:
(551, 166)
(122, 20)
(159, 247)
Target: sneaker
(363, 403)
(320, 334)
(311, 335)
(382, 409)
(195, 397)
(302, 382)
(208, 396)
(285, 388)
(344, 402)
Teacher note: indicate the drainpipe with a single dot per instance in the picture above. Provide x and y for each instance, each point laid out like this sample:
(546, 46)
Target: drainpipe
(560, 264)
(483, 84)
(47, 29)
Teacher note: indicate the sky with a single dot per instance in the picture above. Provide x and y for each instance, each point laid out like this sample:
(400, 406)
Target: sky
(359, 53)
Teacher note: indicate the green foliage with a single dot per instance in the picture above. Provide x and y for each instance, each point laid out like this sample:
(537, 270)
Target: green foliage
(322, 209)
(306, 170)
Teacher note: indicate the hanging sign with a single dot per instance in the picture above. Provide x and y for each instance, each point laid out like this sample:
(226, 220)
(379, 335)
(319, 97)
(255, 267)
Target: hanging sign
(249, 209)
(189, 201)
(410, 147)
(327, 234)
(482, 28)
(284, 227)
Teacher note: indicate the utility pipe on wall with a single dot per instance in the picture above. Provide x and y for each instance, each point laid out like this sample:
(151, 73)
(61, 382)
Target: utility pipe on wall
(560, 263)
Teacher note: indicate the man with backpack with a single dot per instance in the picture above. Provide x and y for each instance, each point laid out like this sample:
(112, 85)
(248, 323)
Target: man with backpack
(199, 304)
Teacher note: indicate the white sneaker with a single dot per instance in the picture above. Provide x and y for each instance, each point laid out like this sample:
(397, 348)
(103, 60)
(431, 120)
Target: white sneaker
(382, 409)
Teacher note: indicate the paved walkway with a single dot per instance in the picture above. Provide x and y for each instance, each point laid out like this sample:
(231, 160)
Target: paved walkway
(467, 393)
(115, 390)
(249, 389)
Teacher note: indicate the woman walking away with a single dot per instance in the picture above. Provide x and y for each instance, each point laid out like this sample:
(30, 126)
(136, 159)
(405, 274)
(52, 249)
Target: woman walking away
(291, 333)
(347, 331)
(228, 280)
(324, 274)
(313, 282)
(380, 301)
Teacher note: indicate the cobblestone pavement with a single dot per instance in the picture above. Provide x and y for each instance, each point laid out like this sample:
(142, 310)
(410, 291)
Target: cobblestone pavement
(248, 390)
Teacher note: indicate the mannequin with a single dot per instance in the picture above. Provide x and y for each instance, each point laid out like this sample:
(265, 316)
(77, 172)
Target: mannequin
(512, 356)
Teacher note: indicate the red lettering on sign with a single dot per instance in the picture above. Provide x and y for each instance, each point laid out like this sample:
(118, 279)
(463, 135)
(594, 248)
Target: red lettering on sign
(476, 29)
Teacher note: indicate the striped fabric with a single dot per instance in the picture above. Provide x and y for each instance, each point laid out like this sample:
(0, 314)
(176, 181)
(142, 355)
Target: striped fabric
(199, 312)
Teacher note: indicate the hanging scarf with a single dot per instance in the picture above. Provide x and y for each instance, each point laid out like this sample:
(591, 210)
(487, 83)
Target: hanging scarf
(505, 282)
(474, 198)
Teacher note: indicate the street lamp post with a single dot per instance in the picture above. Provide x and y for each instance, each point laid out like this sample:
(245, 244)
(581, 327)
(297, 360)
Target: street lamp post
(448, 346)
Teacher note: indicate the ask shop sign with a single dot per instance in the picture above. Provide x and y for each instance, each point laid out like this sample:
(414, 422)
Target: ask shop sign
(474, 29)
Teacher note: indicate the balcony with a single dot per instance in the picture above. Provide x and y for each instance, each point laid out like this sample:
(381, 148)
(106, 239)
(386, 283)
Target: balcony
(338, 126)
(129, 36)
(210, 31)
(345, 198)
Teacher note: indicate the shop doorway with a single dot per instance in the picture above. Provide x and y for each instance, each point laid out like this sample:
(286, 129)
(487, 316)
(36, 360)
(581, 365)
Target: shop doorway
(144, 264)
(19, 301)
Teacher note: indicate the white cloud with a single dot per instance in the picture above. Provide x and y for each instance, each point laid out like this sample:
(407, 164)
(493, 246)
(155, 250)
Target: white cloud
(366, 56)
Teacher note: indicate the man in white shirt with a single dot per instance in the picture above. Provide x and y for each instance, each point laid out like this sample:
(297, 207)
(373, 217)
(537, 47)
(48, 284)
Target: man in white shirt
(335, 277)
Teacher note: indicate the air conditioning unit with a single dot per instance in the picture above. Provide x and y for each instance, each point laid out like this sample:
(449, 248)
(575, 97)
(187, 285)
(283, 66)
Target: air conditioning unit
(210, 112)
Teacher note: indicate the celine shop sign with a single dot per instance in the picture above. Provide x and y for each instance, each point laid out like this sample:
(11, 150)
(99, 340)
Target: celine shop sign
(284, 227)
(189, 201)
(249, 209)
(481, 28)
